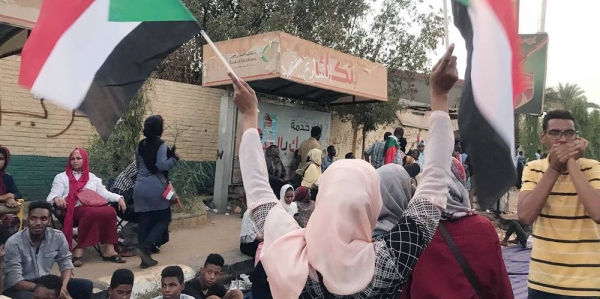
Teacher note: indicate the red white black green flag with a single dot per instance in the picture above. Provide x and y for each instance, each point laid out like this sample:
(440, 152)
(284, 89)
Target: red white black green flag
(492, 79)
(94, 55)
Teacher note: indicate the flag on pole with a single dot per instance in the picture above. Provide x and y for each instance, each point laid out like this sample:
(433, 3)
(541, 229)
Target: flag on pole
(94, 55)
(492, 79)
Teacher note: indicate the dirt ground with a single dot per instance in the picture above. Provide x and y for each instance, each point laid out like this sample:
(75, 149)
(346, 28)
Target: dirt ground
(188, 247)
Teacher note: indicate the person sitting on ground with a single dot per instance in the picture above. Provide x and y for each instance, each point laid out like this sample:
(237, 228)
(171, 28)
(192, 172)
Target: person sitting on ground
(206, 285)
(171, 284)
(396, 192)
(121, 284)
(336, 254)
(249, 236)
(287, 199)
(305, 206)
(82, 199)
(276, 169)
(349, 155)
(4, 235)
(49, 287)
(40, 243)
(475, 238)
(413, 171)
(522, 231)
(9, 195)
(312, 172)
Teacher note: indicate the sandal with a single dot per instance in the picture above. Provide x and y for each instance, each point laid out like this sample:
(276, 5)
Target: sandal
(115, 259)
(77, 261)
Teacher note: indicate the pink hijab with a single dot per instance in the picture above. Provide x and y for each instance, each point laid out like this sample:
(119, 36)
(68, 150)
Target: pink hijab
(337, 239)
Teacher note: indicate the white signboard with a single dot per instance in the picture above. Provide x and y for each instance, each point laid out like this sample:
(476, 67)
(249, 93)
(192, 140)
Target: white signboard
(287, 127)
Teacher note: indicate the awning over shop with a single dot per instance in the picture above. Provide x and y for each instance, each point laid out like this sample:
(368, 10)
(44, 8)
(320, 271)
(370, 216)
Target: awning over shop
(283, 65)
(17, 17)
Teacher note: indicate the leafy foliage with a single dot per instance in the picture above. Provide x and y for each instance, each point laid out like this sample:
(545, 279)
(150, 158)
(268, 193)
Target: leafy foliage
(109, 158)
(400, 36)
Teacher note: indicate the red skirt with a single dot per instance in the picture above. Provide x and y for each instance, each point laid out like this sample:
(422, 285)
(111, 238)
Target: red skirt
(95, 225)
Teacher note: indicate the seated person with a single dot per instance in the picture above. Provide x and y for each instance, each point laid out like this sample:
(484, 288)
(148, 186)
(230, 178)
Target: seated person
(305, 206)
(97, 221)
(171, 284)
(121, 284)
(49, 287)
(46, 246)
(206, 285)
(249, 236)
(123, 185)
(9, 195)
(523, 232)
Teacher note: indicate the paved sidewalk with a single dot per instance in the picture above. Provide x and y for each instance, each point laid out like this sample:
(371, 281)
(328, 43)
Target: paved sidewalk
(187, 248)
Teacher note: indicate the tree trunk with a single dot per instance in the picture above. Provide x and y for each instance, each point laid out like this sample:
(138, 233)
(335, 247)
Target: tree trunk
(364, 133)
(354, 137)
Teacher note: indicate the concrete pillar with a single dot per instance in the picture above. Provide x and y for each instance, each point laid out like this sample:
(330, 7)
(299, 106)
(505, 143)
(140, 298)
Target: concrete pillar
(223, 169)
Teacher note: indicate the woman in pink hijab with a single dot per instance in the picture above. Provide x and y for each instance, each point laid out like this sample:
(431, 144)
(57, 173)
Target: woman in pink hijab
(335, 255)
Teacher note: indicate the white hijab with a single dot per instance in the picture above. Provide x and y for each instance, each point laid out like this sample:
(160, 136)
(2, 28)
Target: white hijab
(292, 208)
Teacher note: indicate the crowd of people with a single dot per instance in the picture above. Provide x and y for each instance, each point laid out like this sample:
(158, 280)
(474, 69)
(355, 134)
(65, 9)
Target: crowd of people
(398, 224)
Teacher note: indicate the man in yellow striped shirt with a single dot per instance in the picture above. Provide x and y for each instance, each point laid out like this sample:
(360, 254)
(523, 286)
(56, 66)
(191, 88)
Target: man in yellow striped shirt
(560, 196)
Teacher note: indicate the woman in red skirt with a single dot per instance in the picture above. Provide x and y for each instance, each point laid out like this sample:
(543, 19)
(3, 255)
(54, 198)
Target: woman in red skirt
(84, 201)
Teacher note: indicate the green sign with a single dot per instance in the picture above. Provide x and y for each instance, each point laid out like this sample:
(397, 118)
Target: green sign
(535, 57)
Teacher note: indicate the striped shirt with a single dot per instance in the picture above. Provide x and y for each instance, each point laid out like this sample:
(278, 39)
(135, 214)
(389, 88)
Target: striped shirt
(376, 152)
(565, 258)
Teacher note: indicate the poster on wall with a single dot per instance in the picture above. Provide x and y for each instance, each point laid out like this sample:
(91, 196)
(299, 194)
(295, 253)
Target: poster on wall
(286, 127)
(534, 62)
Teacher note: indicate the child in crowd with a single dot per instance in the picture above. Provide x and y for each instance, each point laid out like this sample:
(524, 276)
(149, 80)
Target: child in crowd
(171, 284)
(206, 285)
(121, 284)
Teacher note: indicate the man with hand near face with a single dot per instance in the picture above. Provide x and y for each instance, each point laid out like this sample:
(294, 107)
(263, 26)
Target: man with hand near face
(560, 197)
(206, 285)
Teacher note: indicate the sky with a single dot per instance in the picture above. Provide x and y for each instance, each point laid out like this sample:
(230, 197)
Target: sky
(571, 27)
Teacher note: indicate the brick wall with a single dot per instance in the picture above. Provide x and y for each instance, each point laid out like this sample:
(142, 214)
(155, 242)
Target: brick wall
(40, 137)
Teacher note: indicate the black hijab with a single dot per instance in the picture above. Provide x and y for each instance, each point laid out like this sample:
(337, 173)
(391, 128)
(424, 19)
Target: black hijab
(148, 147)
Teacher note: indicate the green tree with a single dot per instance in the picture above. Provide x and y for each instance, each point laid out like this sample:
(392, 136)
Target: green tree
(108, 158)
(399, 36)
(564, 96)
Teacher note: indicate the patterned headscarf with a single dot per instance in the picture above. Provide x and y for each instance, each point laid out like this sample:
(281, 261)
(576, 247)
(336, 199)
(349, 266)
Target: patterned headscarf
(458, 204)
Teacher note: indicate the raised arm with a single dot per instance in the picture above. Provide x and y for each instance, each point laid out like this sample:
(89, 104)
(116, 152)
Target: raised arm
(416, 227)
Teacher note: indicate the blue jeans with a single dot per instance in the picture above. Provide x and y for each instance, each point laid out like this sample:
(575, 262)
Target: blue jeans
(535, 294)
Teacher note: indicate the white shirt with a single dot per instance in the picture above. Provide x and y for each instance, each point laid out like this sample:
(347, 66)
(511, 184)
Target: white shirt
(60, 188)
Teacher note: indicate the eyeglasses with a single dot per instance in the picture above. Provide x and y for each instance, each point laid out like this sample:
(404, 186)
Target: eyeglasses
(557, 134)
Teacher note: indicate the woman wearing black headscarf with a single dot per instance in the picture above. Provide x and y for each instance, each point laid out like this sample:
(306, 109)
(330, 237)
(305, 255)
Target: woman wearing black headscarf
(154, 160)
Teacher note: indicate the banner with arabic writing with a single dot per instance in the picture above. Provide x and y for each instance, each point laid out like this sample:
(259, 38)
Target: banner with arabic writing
(535, 57)
(286, 127)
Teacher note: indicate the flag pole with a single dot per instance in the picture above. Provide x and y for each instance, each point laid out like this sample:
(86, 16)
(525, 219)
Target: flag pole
(446, 37)
(218, 53)
(543, 19)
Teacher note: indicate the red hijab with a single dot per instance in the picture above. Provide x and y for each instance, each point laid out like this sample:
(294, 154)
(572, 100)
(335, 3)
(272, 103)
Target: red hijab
(4, 150)
(75, 186)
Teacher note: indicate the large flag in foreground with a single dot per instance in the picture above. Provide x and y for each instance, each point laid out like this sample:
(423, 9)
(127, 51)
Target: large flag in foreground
(492, 79)
(94, 55)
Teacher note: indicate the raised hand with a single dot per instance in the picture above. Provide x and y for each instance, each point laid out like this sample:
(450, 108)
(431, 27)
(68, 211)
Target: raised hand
(443, 77)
